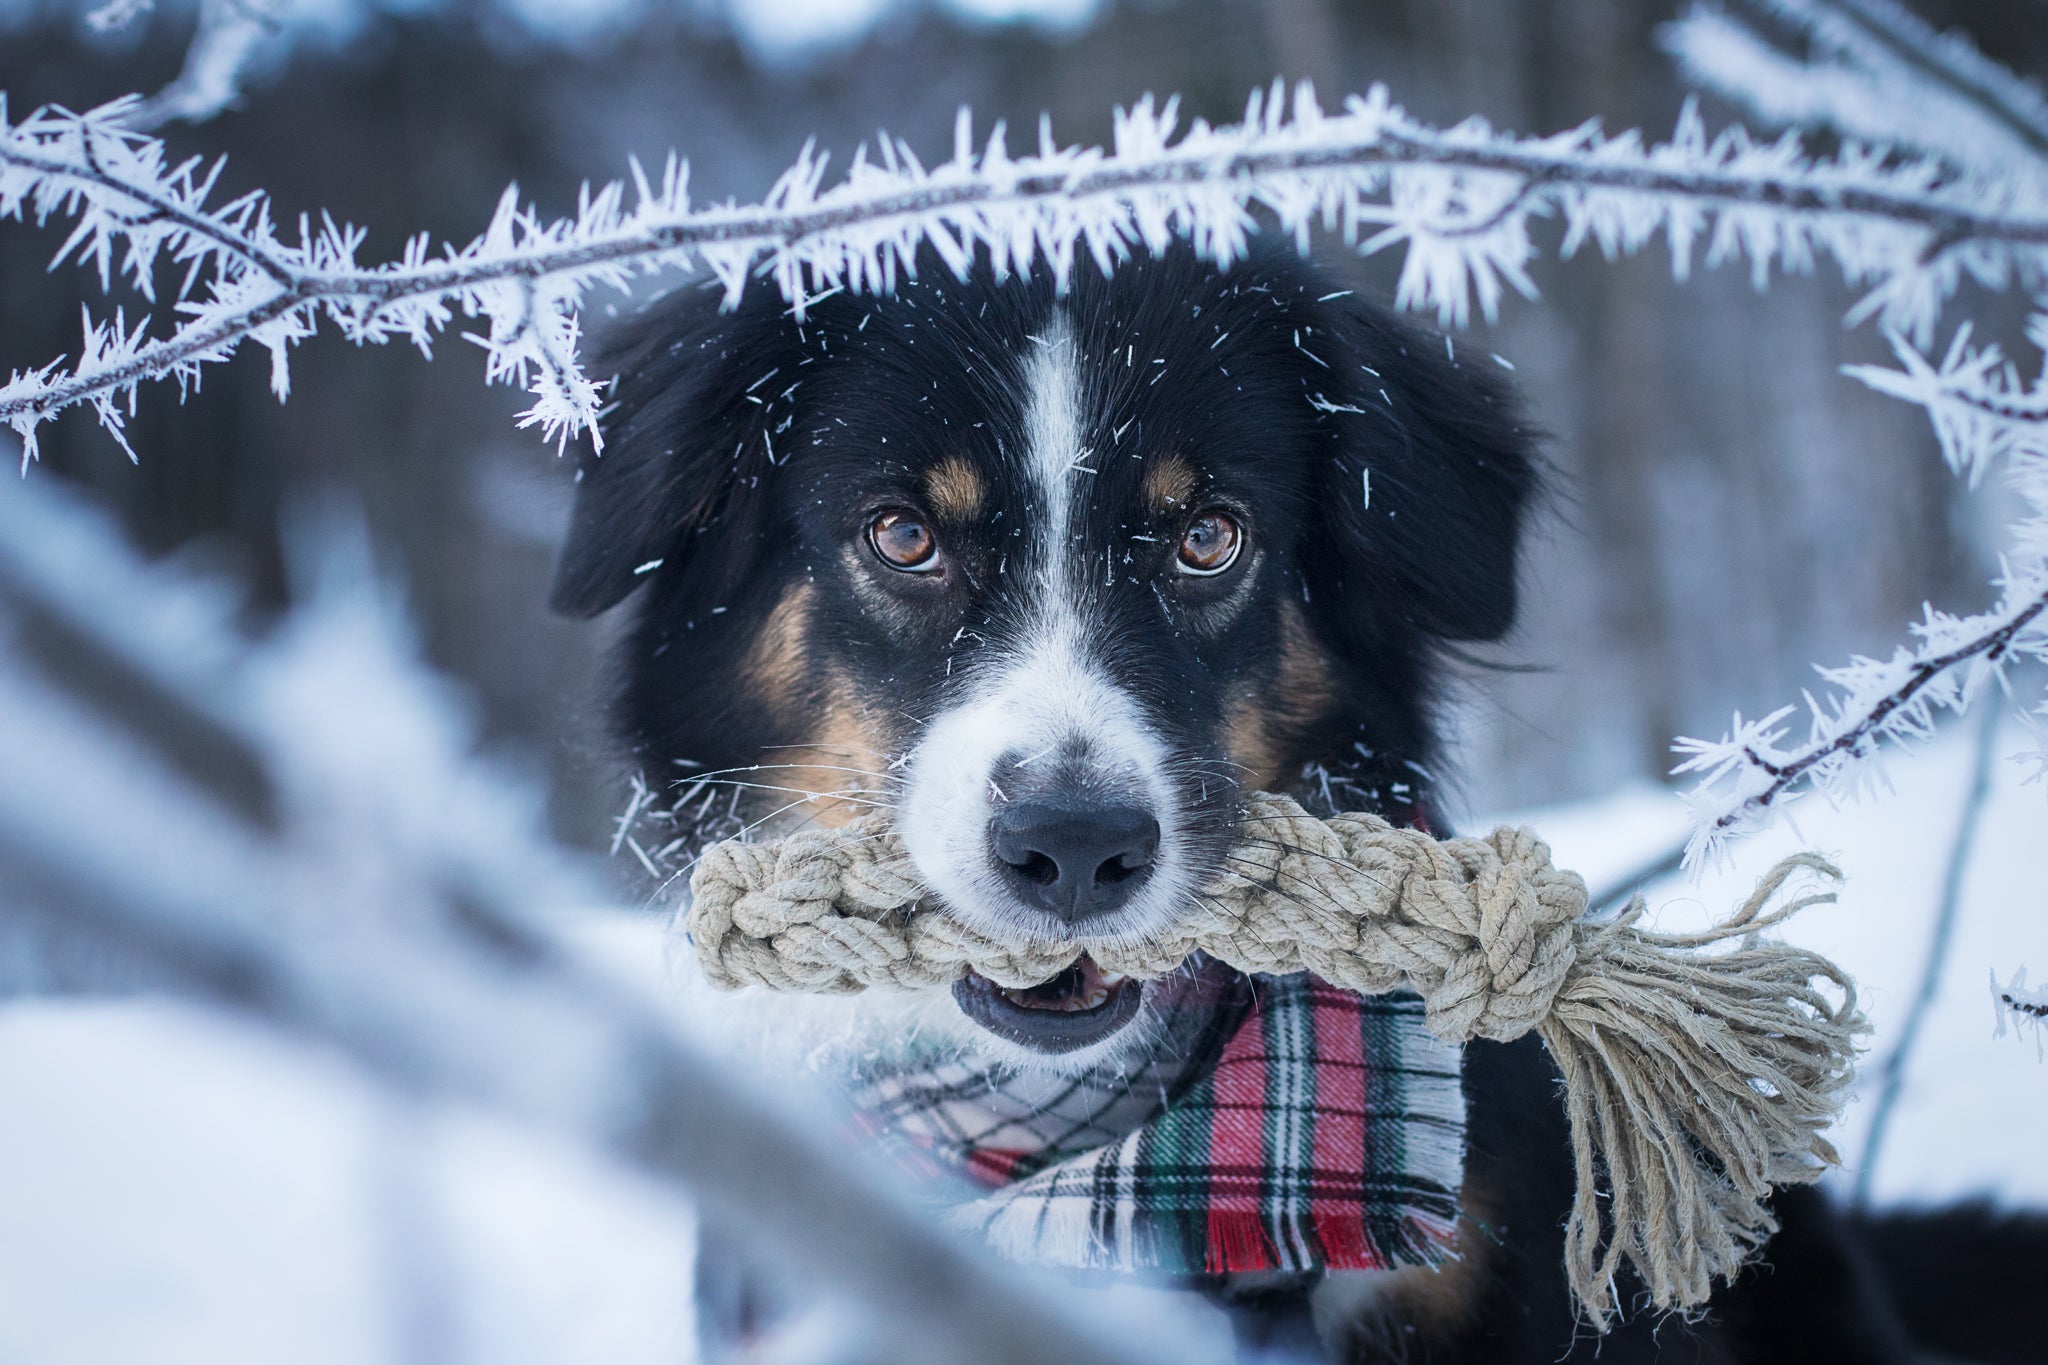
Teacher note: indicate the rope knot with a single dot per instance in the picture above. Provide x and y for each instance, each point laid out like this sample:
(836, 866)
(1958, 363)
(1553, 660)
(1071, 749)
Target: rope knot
(1504, 923)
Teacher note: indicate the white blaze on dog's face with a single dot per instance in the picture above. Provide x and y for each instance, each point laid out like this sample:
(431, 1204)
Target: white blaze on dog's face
(1052, 577)
(1038, 803)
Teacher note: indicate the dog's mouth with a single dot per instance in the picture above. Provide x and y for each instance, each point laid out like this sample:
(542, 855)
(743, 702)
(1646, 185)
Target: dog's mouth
(1076, 1008)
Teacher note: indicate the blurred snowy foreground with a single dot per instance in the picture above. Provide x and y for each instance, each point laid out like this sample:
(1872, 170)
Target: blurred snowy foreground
(184, 1179)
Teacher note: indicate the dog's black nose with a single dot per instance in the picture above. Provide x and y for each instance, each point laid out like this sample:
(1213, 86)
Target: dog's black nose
(1078, 862)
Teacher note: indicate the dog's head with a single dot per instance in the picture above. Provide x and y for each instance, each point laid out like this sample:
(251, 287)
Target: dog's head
(1052, 577)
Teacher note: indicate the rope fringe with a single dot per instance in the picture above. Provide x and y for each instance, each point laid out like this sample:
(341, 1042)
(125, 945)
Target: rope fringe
(1694, 1080)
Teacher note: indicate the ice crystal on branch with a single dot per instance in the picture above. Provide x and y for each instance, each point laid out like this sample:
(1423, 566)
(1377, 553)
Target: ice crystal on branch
(2021, 1009)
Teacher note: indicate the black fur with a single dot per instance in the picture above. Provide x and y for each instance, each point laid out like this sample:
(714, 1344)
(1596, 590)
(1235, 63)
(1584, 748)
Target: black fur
(737, 498)
(744, 450)
(1969, 1283)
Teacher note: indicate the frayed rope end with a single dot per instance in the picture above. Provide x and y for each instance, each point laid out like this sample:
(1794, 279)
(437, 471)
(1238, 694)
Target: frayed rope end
(1694, 1084)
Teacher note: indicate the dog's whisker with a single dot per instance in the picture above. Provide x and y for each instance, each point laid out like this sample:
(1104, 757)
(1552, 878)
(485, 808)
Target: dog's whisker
(691, 779)
(1273, 878)
(857, 795)
(809, 798)
(1283, 846)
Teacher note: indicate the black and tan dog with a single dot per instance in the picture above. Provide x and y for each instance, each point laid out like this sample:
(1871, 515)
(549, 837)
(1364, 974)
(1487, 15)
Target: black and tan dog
(1054, 576)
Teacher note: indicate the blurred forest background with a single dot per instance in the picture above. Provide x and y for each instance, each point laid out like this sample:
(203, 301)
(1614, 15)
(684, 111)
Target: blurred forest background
(1729, 508)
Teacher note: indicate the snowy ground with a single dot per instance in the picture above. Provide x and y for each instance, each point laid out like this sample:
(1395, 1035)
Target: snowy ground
(184, 1188)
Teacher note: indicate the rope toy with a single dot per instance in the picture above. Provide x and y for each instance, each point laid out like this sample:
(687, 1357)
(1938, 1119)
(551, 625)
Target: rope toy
(1693, 1082)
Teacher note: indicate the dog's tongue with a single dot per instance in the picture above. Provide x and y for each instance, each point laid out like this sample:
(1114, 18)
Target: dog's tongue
(1083, 986)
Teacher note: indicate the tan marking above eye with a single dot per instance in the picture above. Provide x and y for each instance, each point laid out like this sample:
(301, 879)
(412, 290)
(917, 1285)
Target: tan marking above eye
(901, 540)
(1170, 484)
(956, 490)
(1210, 544)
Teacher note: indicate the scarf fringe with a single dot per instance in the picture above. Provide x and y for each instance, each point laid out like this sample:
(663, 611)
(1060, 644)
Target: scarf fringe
(1345, 1171)
(1062, 1235)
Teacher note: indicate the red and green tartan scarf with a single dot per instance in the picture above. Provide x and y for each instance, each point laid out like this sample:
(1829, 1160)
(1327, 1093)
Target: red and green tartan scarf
(1311, 1129)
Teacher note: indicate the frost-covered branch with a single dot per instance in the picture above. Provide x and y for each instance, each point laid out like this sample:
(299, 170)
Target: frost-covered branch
(1461, 201)
(1907, 216)
(1872, 70)
(1861, 55)
(1985, 415)
(2021, 1008)
(1749, 772)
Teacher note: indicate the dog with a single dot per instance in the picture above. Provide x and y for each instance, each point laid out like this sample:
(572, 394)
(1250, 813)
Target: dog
(1054, 574)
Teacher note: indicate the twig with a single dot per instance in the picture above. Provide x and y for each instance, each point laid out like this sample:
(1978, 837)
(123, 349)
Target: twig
(2020, 1008)
(1748, 760)
(1944, 58)
(1892, 1076)
(1990, 646)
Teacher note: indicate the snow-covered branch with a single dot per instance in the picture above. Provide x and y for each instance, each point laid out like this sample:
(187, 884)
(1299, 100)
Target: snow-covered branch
(1985, 415)
(1872, 70)
(1462, 201)
(1861, 54)
(1749, 772)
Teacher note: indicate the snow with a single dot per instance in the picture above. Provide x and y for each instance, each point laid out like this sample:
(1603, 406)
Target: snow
(189, 1188)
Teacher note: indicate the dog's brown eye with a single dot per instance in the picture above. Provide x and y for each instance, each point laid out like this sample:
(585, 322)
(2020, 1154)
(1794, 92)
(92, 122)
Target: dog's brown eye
(1210, 544)
(903, 541)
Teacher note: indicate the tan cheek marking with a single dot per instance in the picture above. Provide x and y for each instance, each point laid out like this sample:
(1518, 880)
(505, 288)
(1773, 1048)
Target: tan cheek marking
(1248, 739)
(776, 662)
(956, 490)
(778, 668)
(841, 765)
(1170, 485)
(1263, 728)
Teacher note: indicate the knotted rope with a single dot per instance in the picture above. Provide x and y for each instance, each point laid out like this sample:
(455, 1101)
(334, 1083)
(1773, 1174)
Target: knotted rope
(1694, 1082)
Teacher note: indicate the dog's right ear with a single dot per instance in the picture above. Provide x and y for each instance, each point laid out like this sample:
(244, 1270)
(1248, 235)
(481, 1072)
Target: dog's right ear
(687, 452)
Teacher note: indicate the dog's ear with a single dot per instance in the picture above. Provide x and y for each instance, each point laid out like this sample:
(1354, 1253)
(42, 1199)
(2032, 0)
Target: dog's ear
(680, 485)
(1422, 506)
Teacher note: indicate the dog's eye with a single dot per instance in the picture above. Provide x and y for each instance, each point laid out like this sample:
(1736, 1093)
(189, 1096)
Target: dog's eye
(902, 541)
(1210, 544)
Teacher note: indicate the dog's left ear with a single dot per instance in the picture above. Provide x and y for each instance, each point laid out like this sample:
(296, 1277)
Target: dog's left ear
(1422, 506)
(681, 484)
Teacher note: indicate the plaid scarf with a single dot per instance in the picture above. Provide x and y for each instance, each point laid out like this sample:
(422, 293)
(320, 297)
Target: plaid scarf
(1311, 1128)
